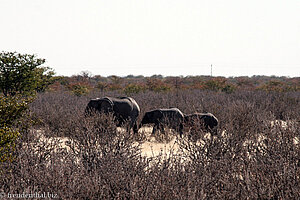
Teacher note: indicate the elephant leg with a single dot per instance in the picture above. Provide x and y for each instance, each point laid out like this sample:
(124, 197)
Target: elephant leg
(128, 129)
(162, 128)
(155, 127)
(181, 130)
(135, 127)
(130, 126)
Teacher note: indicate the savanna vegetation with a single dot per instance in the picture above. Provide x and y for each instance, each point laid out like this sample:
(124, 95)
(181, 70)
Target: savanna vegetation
(83, 83)
(254, 156)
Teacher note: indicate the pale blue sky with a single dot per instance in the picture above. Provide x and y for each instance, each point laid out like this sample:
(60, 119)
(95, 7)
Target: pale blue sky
(168, 37)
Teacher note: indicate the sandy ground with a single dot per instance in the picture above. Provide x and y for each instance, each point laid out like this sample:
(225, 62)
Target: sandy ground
(151, 147)
(58, 142)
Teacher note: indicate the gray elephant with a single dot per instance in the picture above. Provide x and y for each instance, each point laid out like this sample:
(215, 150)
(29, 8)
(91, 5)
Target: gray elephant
(207, 120)
(171, 117)
(123, 109)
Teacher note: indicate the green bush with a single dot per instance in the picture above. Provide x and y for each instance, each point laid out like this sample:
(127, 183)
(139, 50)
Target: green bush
(8, 138)
(23, 74)
(219, 84)
(102, 86)
(79, 89)
(277, 86)
(157, 85)
(215, 84)
(133, 88)
(228, 88)
(12, 109)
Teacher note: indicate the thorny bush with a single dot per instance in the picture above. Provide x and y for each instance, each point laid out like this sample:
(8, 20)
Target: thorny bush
(254, 156)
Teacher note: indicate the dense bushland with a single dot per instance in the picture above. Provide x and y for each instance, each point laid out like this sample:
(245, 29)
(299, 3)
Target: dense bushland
(253, 156)
(83, 83)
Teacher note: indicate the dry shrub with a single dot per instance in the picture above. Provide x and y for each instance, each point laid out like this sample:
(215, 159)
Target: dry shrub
(250, 158)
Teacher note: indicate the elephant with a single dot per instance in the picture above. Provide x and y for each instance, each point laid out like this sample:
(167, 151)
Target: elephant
(171, 117)
(207, 120)
(123, 109)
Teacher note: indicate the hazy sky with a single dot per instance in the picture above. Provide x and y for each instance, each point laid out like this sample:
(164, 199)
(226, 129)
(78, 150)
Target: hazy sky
(168, 37)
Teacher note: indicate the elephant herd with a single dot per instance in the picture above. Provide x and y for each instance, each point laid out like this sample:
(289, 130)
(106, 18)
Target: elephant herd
(126, 109)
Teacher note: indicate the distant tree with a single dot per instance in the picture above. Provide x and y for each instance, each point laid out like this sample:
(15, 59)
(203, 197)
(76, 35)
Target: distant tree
(133, 88)
(129, 76)
(116, 79)
(23, 74)
(215, 84)
(102, 86)
(157, 76)
(79, 88)
(116, 82)
(86, 74)
(82, 76)
(157, 85)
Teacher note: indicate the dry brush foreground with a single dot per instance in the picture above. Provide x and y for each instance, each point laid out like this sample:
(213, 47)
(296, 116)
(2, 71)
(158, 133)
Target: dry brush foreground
(255, 156)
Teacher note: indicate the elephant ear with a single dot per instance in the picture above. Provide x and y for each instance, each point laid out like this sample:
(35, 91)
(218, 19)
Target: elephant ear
(109, 101)
(106, 104)
(92, 106)
(94, 103)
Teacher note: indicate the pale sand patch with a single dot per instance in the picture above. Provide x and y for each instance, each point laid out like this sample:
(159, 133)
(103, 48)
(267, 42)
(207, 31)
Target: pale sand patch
(150, 149)
(295, 140)
(57, 142)
(284, 124)
(44, 144)
(281, 123)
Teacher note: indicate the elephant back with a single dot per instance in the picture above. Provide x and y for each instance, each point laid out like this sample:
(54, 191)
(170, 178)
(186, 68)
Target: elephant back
(172, 117)
(134, 107)
(173, 114)
(208, 119)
